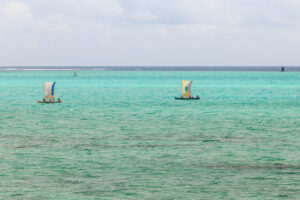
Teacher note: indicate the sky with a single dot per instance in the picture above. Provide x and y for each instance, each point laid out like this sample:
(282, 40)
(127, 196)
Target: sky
(149, 33)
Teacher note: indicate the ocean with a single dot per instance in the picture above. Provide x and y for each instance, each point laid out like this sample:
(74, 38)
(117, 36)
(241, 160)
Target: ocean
(119, 134)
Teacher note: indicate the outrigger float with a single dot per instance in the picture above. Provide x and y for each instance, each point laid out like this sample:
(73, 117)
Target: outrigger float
(49, 93)
(186, 91)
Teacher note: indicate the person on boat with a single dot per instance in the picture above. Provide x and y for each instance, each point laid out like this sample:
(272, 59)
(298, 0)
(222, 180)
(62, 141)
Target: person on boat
(59, 100)
(197, 97)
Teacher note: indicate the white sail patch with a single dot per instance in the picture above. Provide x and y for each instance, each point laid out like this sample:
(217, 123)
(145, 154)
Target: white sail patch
(49, 90)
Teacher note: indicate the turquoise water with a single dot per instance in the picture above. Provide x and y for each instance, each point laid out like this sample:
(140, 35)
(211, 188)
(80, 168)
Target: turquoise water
(121, 135)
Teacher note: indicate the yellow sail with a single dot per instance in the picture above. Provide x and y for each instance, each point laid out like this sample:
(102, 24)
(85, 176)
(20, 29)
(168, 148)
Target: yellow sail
(186, 89)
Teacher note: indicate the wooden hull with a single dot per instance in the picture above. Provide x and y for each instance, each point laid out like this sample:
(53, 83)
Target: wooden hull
(180, 98)
(49, 101)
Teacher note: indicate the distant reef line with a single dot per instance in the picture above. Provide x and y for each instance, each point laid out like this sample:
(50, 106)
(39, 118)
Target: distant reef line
(150, 68)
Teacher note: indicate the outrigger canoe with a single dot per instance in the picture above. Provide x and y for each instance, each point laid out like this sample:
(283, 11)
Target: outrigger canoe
(49, 101)
(186, 91)
(192, 98)
(49, 93)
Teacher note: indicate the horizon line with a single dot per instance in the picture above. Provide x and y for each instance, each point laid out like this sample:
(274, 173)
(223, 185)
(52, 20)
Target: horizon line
(9, 66)
(151, 68)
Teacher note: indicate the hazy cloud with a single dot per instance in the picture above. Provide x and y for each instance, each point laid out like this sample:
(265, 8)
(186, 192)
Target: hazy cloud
(144, 16)
(149, 32)
(16, 11)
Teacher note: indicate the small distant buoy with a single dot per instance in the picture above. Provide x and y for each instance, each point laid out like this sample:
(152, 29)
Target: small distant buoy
(75, 74)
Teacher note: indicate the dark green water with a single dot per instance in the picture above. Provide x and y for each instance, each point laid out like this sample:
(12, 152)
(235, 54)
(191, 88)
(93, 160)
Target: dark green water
(121, 135)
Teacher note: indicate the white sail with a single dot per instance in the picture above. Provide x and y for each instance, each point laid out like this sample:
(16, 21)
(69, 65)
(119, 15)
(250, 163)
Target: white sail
(49, 90)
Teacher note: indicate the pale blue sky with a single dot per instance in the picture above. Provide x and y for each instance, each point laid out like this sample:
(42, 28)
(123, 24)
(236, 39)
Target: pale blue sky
(149, 32)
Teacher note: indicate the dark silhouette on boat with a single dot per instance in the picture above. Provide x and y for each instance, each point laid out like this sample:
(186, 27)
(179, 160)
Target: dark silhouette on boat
(191, 98)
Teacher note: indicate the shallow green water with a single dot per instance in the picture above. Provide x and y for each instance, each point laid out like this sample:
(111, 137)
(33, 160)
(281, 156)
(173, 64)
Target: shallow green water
(121, 135)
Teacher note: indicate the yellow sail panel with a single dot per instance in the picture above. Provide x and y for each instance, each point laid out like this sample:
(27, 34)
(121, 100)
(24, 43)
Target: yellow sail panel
(186, 89)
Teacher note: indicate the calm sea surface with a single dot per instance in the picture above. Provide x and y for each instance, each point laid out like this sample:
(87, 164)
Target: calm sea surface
(121, 135)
